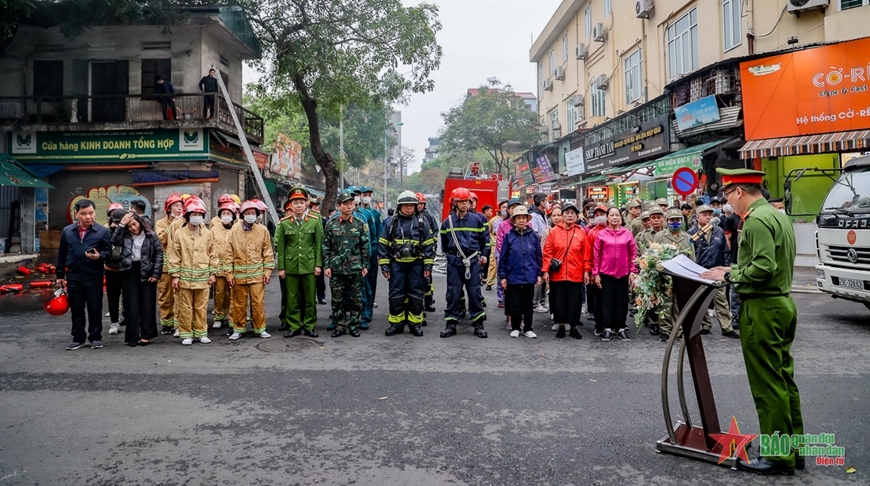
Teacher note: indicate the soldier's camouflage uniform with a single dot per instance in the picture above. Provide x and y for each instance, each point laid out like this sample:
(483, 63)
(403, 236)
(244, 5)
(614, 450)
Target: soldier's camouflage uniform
(346, 252)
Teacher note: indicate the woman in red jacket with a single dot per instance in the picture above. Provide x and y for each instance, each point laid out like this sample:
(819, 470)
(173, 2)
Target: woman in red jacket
(567, 266)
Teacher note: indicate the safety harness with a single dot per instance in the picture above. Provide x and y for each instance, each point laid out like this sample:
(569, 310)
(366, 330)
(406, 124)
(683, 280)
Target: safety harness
(466, 260)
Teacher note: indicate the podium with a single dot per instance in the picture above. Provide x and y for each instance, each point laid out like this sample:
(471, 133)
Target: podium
(693, 297)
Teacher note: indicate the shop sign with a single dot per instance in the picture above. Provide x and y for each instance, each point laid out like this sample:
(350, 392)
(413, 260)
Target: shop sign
(672, 164)
(89, 147)
(697, 113)
(542, 170)
(597, 192)
(819, 90)
(574, 162)
(643, 141)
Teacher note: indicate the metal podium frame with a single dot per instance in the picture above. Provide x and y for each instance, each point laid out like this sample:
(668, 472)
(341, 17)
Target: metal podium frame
(688, 439)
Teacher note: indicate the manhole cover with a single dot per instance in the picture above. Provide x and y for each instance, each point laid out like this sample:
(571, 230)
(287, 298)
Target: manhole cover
(288, 345)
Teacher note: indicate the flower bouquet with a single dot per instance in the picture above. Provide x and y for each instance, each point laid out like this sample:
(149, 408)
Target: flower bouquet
(653, 288)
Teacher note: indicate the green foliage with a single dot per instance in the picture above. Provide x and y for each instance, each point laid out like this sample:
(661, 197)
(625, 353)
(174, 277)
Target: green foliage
(495, 120)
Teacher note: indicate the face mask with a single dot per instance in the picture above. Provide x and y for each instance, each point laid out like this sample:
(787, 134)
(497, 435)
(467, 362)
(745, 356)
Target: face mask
(356, 199)
(367, 200)
(226, 219)
(195, 219)
(600, 220)
(250, 218)
(717, 212)
(504, 214)
(675, 226)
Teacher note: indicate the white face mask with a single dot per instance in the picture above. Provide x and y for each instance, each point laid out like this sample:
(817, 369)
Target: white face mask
(226, 219)
(250, 218)
(356, 199)
(195, 219)
(600, 220)
(367, 200)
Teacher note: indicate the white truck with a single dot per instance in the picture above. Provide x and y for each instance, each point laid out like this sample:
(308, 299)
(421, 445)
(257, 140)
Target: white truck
(843, 234)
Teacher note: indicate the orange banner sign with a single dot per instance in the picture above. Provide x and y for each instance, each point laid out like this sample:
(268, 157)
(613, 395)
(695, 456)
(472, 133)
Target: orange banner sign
(819, 90)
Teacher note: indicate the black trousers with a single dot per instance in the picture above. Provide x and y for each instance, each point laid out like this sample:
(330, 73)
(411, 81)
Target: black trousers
(613, 303)
(113, 294)
(320, 281)
(140, 305)
(593, 301)
(518, 303)
(87, 293)
(208, 105)
(567, 298)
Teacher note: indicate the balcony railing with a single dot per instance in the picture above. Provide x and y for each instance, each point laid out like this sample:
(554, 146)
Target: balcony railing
(129, 109)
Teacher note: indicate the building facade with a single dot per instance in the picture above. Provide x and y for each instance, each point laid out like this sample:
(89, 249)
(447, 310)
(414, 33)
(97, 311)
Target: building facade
(82, 114)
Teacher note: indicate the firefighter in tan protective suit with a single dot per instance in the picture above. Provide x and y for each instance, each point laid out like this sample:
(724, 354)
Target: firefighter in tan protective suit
(220, 234)
(173, 207)
(250, 264)
(193, 262)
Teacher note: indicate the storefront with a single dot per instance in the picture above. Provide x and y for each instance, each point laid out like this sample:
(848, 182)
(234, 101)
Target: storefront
(22, 204)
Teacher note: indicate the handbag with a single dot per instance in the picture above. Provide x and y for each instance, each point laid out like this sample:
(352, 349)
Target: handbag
(555, 263)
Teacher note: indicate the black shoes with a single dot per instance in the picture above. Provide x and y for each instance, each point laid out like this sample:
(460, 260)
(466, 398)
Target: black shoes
(664, 336)
(654, 329)
(607, 335)
(731, 334)
(561, 332)
(623, 335)
(416, 330)
(480, 332)
(355, 332)
(574, 333)
(488, 288)
(764, 467)
(321, 301)
(429, 308)
(339, 332)
(293, 334)
(395, 329)
(705, 332)
(448, 331)
(310, 333)
(800, 463)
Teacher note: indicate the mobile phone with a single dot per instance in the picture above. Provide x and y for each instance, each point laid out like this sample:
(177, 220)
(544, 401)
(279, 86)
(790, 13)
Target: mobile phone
(92, 250)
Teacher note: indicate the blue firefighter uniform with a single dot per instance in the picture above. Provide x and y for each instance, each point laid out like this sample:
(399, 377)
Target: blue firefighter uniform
(376, 226)
(463, 273)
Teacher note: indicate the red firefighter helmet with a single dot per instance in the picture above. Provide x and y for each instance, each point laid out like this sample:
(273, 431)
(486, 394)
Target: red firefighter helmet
(230, 206)
(473, 196)
(421, 198)
(172, 199)
(261, 205)
(225, 198)
(460, 194)
(251, 204)
(113, 207)
(194, 205)
(58, 305)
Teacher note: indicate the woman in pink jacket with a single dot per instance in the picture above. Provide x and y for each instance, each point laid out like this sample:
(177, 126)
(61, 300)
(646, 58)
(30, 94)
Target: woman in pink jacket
(614, 252)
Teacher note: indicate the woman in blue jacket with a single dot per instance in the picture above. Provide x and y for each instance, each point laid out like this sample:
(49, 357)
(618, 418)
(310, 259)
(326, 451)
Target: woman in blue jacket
(519, 270)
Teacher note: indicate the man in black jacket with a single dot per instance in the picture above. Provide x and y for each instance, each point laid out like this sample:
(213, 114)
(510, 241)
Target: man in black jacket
(165, 93)
(711, 250)
(84, 246)
(209, 86)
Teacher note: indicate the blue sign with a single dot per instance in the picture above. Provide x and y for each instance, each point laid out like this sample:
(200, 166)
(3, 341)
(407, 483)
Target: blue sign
(697, 113)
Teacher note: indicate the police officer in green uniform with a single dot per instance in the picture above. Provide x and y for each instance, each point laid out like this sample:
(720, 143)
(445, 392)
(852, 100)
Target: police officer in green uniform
(345, 260)
(673, 235)
(657, 219)
(768, 317)
(636, 225)
(298, 241)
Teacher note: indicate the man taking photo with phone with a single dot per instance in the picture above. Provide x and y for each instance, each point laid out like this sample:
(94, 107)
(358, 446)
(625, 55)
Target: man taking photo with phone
(84, 246)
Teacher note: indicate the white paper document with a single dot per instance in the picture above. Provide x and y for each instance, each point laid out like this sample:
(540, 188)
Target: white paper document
(684, 267)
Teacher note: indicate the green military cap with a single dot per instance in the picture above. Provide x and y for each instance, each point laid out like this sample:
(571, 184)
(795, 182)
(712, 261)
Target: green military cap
(365, 189)
(740, 176)
(632, 204)
(649, 205)
(314, 200)
(345, 195)
(298, 193)
(704, 209)
(674, 213)
(662, 202)
(656, 210)
(645, 215)
(353, 189)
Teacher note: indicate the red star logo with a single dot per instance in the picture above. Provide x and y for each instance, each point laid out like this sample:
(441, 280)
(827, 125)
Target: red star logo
(733, 440)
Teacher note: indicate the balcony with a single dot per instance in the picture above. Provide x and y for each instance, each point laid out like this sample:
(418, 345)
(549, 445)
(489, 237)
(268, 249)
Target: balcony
(123, 112)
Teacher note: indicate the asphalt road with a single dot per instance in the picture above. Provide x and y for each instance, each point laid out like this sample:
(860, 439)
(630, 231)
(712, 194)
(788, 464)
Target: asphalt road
(400, 410)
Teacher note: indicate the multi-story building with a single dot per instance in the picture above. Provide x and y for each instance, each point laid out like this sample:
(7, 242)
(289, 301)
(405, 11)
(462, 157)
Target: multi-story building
(432, 150)
(82, 113)
(611, 73)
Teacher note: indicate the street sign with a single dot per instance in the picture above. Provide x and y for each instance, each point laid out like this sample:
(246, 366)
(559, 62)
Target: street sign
(685, 181)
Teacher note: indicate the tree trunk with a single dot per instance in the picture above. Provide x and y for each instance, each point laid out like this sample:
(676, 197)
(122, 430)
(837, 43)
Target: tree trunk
(324, 159)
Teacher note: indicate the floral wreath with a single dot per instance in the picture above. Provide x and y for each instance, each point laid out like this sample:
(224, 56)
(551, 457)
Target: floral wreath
(652, 287)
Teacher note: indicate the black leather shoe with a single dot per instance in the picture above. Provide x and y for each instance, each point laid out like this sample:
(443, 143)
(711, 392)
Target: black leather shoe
(355, 332)
(338, 333)
(664, 336)
(574, 333)
(310, 333)
(429, 308)
(488, 288)
(424, 323)
(800, 463)
(561, 333)
(321, 301)
(480, 332)
(731, 334)
(394, 329)
(705, 332)
(293, 334)
(654, 330)
(416, 330)
(763, 466)
(448, 331)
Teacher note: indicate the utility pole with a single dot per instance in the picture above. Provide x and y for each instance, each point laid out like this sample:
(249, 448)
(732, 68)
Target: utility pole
(386, 164)
(341, 146)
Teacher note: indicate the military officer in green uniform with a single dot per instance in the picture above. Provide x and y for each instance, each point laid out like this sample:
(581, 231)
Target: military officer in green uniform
(673, 235)
(657, 220)
(636, 225)
(298, 241)
(345, 259)
(663, 203)
(768, 317)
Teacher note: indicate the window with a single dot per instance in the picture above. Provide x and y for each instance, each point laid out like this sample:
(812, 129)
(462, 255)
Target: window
(633, 77)
(48, 80)
(151, 68)
(541, 79)
(608, 8)
(847, 4)
(587, 18)
(570, 120)
(731, 23)
(598, 99)
(552, 58)
(554, 122)
(565, 46)
(682, 37)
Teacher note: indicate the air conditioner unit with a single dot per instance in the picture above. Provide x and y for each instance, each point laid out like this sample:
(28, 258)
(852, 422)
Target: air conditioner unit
(643, 9)
(548, 84)
(797, 6)
(578, 114)
(556, 125)
(602, 82)
(560, 74)
(580, 52)
(598, 33)
(578, 100)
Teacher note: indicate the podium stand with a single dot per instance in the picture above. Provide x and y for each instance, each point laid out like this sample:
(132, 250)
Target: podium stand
(687, 439)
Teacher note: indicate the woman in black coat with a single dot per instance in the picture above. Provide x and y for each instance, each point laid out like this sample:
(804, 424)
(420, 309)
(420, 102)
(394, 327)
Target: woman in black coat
(141, 266)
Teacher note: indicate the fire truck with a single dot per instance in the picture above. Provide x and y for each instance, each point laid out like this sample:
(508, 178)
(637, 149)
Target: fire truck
(490, 189)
